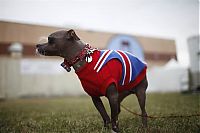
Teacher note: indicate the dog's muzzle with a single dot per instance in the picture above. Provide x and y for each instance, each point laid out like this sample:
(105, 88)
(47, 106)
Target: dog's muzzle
(39, 50)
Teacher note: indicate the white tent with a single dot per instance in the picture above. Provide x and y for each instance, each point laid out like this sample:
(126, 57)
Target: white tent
(170, 78)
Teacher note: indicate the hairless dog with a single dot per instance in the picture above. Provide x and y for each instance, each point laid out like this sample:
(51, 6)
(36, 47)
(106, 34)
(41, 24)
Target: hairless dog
(114, 74)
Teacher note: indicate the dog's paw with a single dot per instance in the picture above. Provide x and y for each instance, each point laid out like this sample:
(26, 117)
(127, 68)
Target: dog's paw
(107, 124)
(115, 129)
(112, 131)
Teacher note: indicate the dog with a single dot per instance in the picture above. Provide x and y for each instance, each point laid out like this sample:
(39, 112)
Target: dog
(114, 74)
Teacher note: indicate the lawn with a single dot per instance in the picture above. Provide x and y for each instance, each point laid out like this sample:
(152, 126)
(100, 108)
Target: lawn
(78, 115)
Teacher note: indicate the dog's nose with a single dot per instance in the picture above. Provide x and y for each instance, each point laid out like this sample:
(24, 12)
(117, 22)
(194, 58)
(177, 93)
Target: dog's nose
(38, 45)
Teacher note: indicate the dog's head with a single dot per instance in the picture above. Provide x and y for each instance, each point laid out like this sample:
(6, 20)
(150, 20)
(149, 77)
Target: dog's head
(58, 43)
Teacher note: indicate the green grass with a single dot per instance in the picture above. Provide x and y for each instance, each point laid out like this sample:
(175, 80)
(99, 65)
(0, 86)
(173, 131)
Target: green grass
(78, 115)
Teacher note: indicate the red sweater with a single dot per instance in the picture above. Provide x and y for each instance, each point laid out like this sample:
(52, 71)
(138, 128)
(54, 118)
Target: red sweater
(108, 67)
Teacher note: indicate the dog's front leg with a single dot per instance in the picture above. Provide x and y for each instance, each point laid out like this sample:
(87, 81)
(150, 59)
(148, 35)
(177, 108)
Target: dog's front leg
(112, 95)
(100, 107)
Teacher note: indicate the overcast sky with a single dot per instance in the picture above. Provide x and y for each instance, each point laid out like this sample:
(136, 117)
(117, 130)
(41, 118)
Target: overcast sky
(171, 19)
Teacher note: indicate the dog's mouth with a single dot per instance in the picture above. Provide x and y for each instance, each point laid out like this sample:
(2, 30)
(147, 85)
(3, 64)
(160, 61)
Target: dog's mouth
(40, 52)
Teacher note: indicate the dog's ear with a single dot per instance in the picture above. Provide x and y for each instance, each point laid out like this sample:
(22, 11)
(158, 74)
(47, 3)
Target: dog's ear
(71, 35)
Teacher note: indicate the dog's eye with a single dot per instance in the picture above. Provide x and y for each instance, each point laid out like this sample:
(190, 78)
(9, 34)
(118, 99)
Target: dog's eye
(50, 40)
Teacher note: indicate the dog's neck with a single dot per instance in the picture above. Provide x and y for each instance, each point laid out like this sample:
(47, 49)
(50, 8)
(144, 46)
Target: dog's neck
(73, 53)
(73, 50)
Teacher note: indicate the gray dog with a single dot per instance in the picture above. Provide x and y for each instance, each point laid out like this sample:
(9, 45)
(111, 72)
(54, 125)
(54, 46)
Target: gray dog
(114, 74)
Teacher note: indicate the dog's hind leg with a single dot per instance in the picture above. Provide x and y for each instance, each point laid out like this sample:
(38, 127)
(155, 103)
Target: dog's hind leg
(141, 96)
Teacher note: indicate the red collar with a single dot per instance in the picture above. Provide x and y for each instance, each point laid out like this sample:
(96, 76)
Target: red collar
(79, 57)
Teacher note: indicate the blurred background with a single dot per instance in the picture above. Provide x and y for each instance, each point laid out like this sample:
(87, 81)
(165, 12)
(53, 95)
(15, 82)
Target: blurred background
(163, 33)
